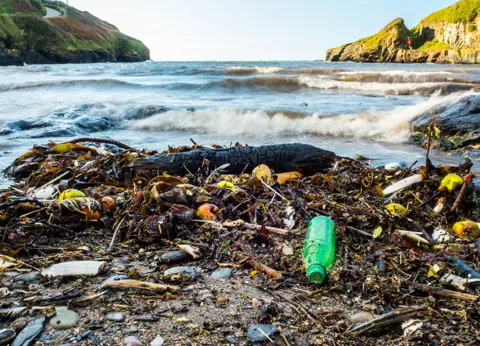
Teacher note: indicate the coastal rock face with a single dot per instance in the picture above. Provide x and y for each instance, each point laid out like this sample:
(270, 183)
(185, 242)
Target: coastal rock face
(451, 35)
(71, 37)
(382, 46)
(457, 125)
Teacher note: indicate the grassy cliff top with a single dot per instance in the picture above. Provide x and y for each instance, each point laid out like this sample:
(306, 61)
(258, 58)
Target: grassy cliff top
(76, 32)
(391, 31)
(463, 11)
(33, 7)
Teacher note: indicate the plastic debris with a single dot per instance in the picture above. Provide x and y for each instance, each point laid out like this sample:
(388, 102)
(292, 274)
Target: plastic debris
(319, 248)
(402, 184)
(468, 230)
(451, 182)
(74, 268)
(396, 209)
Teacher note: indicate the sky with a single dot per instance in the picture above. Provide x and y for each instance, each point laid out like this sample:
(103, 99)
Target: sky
(200, 30)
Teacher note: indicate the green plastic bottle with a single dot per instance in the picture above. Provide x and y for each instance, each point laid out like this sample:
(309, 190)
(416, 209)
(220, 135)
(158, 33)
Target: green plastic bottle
(319, 248)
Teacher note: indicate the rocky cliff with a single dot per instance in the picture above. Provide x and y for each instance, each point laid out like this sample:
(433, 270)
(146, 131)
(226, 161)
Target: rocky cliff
(73, 36)
(451, 35)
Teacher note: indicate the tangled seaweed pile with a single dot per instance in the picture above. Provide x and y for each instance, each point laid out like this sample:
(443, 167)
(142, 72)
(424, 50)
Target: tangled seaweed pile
(405, 255)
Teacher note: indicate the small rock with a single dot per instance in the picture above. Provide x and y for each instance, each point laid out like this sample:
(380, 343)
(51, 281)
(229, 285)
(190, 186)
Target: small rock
(116, 317)
(231, 340)
(188, 271)
(158, 341)
(28, 278)
(131, 330)
(146, 318)
(13, 312)
(254, 333)
(361, 317)
(64, 318)
(6, 335)
(132, 341)
(116, 278)
(222, 274)
(85, 334)
(19, 324)
(30, 332)
(287, 250)
(175, 256)
(4, 292)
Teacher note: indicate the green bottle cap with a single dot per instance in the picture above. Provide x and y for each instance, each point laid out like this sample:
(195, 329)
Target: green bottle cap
(316, 273)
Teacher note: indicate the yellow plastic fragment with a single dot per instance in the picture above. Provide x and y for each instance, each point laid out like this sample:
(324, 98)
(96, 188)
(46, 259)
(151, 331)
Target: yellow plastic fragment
(71, 193)
(396, 209)
(450, 182)
(263, 172)
(283, 178)
(468, 230)
(66, 147)
(227, 185)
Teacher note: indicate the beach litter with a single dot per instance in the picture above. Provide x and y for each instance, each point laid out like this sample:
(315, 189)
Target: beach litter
(203, 242)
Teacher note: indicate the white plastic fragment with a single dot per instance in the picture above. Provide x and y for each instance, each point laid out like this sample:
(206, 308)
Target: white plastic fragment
(441, 235)
(74, 268)
(192, 251)
(400, 185)
(411, 326)
(289, 220)
(392, 166)
(454, 280)
(44, 193)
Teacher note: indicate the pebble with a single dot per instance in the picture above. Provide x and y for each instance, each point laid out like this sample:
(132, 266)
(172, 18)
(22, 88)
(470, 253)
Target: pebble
(132, 341)
(181, 271)
(287, 250)
(6, 335)
(222, 274)
(115, 316)
(361, 317)
(30, 332)
(158, 341)
(19, 324)
(28, 278)
(131, 330)
(64, 318)
(175, 256)
(85, 334)
(4, 292)
(116, 278)
(146, 318)
(254, 333)
(231, 340)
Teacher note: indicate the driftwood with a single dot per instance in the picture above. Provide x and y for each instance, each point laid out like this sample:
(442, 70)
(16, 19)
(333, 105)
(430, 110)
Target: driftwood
(141, 285)
(281, 158)
(442, 292)
(388, 319)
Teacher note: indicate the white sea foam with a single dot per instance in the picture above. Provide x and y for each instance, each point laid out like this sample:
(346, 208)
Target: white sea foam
(255, 69)
(320, 82)
(396, 72)
(388, 126)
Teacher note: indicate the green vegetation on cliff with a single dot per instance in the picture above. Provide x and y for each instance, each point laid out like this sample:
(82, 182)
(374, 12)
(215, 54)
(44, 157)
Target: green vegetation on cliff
(34, 7)
(464, 11)
(391, 32)
(450, 35)
(77, 37)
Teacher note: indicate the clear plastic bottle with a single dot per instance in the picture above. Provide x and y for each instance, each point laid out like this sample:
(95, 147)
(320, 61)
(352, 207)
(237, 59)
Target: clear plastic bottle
(319, 248)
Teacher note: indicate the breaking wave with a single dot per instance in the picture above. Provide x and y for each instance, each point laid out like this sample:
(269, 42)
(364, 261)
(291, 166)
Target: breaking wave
(287, 84)
(387, 126)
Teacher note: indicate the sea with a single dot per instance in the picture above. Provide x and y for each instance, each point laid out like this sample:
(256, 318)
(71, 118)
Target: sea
(349, 108)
